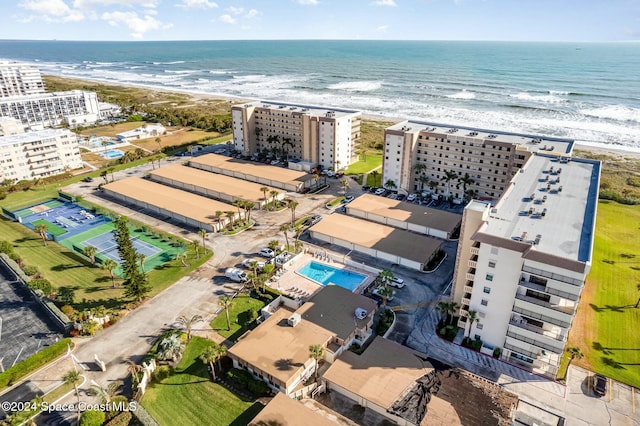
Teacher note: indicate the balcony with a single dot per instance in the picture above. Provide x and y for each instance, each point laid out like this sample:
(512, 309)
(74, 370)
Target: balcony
(569, 310)
(536, 342)
(473, 262)
(552, 334)
(549, 290)
(471, 274)
(466, 299)
(475, 250)
(468, 289)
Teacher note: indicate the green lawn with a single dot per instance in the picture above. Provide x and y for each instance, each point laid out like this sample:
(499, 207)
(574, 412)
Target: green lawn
(335, 202)
(359, 167)
(374, 180)
(604, 328)
(239, 316)
(188, 397)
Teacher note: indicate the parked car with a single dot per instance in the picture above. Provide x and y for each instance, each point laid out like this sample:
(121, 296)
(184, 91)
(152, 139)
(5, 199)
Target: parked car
(600, 385)
(247, 263)
(380, 191)
(88, 179)
(412, 197)
(236, 275)
(266, 252)
(315, 219)
(400, 197)
(348, 199)
(397, 282)
(389, 299)
(366, 187)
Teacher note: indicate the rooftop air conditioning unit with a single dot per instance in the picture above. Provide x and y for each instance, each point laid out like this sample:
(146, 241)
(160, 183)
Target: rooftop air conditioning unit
(361, 313)
(293, 320)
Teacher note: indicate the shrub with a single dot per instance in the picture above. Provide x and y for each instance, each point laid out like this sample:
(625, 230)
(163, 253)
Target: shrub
(67, 310)
(41, 284)
(6, 247)
(239, 377)
(117, 401)
(258, 387)
(161, 373)
(92, 418)
(35, 361)
(497, 352)
(30, 270)
(122, 419)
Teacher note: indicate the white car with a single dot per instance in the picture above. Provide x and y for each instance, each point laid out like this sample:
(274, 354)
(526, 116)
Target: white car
(379, 191)
(412, 197)
(397, 282)
(266, 252)
(236, 275)
(247, 263)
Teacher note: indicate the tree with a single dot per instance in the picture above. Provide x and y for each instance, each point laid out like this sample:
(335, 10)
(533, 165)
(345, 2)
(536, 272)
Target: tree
(451, 311)
(237, 203)
(159, 142)
(574, 353)
(105, 175)
(110, 265)
(226, 302)
(273, 194)
(65, 295)
(316, 352)
(443, 307)
(432, 185)
(92, 418)
(448, 177)
(141, 257)
(264, 190)
(386, 276)
(248, 207)
(273, 244)
(105, 144)
(183, 257)
(203, 234)
(219, 214)
(466, 180)
(423, 181)
(231, 216)
(42, 229)
(292, 204)
(171, 347)
(90, 252)
(196, 248)
(284, 228)
(375, 175)
(390, 184)
(135, 370)
(106, 394)
(472, 317)
(385, 292)
(135, 281)
(298, 230)
(212, 354)
(345, 185)
(188, 323)
(73, 377)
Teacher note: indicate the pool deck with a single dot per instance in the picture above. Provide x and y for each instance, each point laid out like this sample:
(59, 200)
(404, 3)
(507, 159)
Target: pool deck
(299, 287)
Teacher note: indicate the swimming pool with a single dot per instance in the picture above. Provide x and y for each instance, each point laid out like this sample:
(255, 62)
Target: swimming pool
(325, 275)
(112, 153)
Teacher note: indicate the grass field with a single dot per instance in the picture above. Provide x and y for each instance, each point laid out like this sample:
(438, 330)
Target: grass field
(111, 130)
(52, 228)
(606, 323)
(239, 315)
(372, 161)
(178, 137)
(190, 397)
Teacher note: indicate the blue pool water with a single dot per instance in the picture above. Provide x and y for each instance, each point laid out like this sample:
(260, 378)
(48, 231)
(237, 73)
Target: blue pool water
(325, 274)
(112, 153)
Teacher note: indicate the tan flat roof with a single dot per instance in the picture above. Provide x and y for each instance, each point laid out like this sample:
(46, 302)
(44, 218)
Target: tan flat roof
(278, 349)
(235, 187)
(184, 203)
(382, 374)
(406, 212)
(333, 308)
(399, 242)
(252, 168)
(284, 411)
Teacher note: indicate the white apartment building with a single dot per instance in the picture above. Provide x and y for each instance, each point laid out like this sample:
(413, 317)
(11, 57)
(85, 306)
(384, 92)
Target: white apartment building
(320, 135)
(436, 158)
(38, 154)
(19, 79)
(521, 264)
(75, 107)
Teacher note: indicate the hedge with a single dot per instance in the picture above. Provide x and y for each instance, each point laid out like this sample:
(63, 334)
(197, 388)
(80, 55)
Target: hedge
(122, 419)
(15, 267)
(245, 380)
(35, 361)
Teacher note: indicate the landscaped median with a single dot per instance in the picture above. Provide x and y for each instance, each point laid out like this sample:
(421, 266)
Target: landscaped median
(335, 202)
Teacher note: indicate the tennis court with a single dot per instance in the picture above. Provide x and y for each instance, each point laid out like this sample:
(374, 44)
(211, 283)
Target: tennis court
(53, 229)
(106, 245)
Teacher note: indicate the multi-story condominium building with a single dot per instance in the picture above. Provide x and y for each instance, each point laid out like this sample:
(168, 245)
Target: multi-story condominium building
(449, 161)
(522, 264)
(75, 107)
(38, 154)
(325, 136)
(18, 79)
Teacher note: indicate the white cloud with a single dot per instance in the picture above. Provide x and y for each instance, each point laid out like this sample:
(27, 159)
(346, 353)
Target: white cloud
(88, 4)
(137, 24)
(228, 19)
(235, 10)
(383, 28)
(197, 4)
(251, 13)
(308, 2)
(52, 10)
(391, 3)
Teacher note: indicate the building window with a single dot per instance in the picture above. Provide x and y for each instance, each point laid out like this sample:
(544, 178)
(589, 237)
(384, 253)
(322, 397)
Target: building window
(489, 277)
(479, 327)
(484, 302)
(477, 336)
(487, 290)
(492, 264)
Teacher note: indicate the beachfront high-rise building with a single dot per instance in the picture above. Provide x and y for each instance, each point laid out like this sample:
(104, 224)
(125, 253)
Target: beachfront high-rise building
(325, 136)
(18, 79)
(449, 161)
(38, 154)
(522, 263)
(75, 108)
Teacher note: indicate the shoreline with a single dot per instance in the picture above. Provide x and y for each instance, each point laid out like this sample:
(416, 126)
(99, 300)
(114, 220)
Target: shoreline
(619, 152)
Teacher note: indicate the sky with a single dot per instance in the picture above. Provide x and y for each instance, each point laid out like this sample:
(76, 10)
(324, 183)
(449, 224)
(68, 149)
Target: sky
(505, 20)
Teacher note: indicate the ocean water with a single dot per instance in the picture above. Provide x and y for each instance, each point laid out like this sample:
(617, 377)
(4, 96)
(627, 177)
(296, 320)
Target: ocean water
(586, 91)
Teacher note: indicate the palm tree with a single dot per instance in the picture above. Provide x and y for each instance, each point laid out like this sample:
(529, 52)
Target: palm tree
(390, 184)
(316, 352)
(273, 194)
(345, 185)
(264, 190)
(443, 307)
(385, 292)
(451, 311)
(226, 302)
(183, 257)
(159, 142)
(423, 180)
(231, 216)
(448, 177)
(105, 144)
(253, 265)
(209, 356)
(247, 206)
(237, 203)
(316, 179)
(188, 323)
(574, 352)
(73, 378)
(472, 317)
(171, 347)
(258, 132)
(106, 394)
(41, 229)
(466, 180)
(135, 370)
(196, 248)
(284, 228)
(292, 204)
(432, 185)
(419, 169)
(219, 215)
(386, 276)
(90, 252)
(110, 265)
(203, 234)
(298, 230)
(141, 257)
